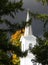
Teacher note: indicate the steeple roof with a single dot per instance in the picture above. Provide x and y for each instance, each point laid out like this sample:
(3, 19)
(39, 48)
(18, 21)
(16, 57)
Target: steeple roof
(28, 29)
(28, 16)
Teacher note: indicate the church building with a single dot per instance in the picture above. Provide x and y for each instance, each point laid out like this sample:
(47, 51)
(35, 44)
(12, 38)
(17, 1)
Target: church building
(28, 40)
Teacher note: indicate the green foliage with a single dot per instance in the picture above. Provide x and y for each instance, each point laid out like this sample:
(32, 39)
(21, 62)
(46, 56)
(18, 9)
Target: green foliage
(5, 47)
(4, 59)
(43, 1)
(6, 7)
(41, 17)
(46, 35)
(9, 8)
(40, 51)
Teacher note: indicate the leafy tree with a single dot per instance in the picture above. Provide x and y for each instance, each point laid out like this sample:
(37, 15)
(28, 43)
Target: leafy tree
(41, 53)
(8, 8)
(43, 1)
(40, 50)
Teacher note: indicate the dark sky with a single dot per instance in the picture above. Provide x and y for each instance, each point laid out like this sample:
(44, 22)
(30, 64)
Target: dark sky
(34, 6)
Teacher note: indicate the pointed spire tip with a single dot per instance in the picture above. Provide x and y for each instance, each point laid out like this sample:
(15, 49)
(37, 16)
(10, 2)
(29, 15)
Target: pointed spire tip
(28, 16)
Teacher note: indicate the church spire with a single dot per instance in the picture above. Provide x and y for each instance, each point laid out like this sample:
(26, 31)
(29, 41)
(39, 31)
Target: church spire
(28, 18)
(28, 29)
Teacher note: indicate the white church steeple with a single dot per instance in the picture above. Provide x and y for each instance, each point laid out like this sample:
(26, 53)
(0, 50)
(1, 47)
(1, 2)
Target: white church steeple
(28, 28)
(28, 41)
(28, 16)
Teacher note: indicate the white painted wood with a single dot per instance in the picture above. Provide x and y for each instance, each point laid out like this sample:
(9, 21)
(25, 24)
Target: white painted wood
(26, 40)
